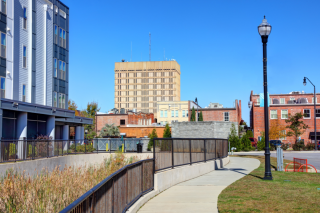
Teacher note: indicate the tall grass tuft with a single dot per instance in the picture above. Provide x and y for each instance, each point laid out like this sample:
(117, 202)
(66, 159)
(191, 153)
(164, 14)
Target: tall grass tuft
(53, 191)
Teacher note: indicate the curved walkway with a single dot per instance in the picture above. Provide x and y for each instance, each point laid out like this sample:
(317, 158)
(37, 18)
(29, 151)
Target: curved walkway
(200, 194)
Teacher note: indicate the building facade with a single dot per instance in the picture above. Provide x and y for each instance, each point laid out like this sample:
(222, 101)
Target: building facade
(280, 106)
(221, 114)
(140, 85)
(173, 111)
(123, 120)
(34, 71)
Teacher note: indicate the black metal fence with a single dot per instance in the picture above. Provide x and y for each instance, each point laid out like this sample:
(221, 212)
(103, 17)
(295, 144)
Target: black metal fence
(171, 152)
(118, 191)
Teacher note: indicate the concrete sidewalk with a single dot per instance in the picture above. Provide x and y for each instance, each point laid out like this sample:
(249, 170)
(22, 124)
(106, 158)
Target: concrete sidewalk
(201, 194)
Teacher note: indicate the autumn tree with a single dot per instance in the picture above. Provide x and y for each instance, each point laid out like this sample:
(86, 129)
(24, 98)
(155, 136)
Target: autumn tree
(295, 125)
(276, 130)
(73, 106)
(90, 112)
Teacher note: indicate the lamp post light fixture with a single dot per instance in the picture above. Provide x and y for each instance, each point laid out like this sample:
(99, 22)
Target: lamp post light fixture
(315, 108)
(86, 132)
(264, 30)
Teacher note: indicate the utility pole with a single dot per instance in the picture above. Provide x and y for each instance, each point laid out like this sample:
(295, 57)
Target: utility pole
(149, 46)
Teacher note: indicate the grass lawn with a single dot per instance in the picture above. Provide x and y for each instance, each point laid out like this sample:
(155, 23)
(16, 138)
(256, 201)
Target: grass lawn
(252, 194)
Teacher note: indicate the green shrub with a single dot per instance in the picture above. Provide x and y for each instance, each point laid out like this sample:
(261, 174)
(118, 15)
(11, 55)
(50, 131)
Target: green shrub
(246, 143)
(81, 148)
(261, 143)
(151, 136)
(310, 146)
(299, 145)
(285, 146)
(234, 139)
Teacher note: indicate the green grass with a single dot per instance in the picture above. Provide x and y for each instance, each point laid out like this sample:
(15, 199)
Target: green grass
(252, 194)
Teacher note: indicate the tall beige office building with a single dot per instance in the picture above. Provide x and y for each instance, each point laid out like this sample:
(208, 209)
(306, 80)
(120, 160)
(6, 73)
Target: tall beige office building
(140, 85)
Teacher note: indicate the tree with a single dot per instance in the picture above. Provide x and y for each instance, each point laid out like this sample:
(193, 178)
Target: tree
(90, 112)
(234, 138)
(109, 130)
(73, 106)
(152, 135)
(246, 143)
(200, 116)
(193, 115)
(167, 132)
(276, 130)
(295, 125)
(249, 134)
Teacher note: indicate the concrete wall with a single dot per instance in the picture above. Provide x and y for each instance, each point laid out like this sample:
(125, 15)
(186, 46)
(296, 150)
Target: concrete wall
(202, 129)
(168, 178)
(33, 167)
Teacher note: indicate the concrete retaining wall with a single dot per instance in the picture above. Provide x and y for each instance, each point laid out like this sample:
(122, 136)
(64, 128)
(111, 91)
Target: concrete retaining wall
(33, 167)
(168, 178)
(202, 129)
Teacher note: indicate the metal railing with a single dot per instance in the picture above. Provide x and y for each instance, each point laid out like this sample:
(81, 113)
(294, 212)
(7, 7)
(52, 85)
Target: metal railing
(21, 150)
(172, 152)
(118, 191)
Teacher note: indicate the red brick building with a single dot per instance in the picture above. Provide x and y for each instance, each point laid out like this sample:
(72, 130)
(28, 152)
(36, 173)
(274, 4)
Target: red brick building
(221, 114)
(123, 120)
(281, 105)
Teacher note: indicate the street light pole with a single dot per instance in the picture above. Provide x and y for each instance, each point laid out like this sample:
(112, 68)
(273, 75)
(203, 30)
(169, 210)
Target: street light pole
(264, 30)
(196, 101)
(315, 108)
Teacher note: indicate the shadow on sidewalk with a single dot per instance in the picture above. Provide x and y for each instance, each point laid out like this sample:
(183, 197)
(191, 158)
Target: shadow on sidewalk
(238, 170)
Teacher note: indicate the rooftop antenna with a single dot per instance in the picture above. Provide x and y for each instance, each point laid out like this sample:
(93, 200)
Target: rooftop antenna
(164, 55)
(149, 46)
(131, 52)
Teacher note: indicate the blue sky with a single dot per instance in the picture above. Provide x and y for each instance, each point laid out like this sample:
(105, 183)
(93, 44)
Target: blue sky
(215, 42)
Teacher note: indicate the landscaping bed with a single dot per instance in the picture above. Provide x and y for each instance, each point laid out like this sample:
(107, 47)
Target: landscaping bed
(288, 192)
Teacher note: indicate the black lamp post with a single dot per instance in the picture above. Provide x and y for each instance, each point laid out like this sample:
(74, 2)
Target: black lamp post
(315, 107)
(196, 101)
(264, 30)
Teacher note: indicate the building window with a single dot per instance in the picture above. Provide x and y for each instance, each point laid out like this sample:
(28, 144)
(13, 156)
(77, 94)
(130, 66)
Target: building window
(177, 113)
(161, 114)
(258, 101)
(3, 45)
(3, 87)
(317, 113)
(54, 99)
(284, 114)
(62, 68)
(282, 101)
(55, 74)
(24, 60)
(165, 114)
(122, 122)
(283, 133)
(4, 6)
(273, 114)
(313, 100)
(183, 113)
(55, 34)
(24, 18)
(62, 101)
(24, 93)
(306, 113)
(63, 41)
(226, 116)
(172, 113)
(292, 99)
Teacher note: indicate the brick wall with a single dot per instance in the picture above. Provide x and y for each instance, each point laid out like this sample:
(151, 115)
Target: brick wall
(102, 120)
(218, 114)
(140, 132)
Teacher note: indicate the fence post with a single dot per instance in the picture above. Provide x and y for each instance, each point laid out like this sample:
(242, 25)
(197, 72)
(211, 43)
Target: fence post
(15, 152)
(124, 144)
(205, 158)
(190, 152)
(75, 145)
(215, 150)
(141, 176)
(172, 153)
(85, 147)
(154, 156)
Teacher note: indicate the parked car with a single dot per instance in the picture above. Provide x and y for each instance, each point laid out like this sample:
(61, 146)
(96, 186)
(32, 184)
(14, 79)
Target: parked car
(275, 142)
(254, 142)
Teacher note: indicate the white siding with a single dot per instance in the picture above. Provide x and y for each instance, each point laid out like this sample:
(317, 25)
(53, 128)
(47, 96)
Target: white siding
(9, 53)
(49, 56)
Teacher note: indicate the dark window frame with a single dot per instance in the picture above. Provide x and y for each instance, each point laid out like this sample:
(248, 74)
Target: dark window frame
(122, 122)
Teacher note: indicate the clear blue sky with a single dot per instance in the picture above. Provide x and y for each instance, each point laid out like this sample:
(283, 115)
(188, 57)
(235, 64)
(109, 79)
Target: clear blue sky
(215, 42)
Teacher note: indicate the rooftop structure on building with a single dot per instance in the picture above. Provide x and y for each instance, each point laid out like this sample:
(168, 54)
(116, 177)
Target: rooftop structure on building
(215, 105)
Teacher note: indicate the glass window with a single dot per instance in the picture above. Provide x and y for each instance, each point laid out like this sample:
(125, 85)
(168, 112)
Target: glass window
(226, 116)
(24, 60)
(165, 114)
(161, 114)
(3, 45)
(24, 93)
(60, 100)
(282, 101)
(292, 99)
(64, 39)
(177, 113)
(273, 114)
(54, 99)
(61, 37)
(183, 113)
(3, 87)
(172, 113)
(24, 18)
(284, 133)
(258, 101)
(55, 34)
(64, 70)
(284, 114)
(4, 6)
(55, 68)
(317, 113)
(306, 113)
(313, 100)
